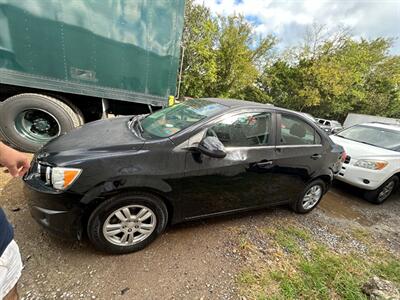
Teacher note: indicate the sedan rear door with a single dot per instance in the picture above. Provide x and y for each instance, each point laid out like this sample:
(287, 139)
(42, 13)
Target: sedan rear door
(299, 155)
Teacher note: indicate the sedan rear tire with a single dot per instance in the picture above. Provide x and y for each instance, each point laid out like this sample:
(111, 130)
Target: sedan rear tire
(310, 198)
(127, 222)
(382, 193)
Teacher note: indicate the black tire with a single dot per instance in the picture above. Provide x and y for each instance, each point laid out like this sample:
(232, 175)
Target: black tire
(66, 115)
(374, 196)
(99, 216)
(75, 108)
(298, 206)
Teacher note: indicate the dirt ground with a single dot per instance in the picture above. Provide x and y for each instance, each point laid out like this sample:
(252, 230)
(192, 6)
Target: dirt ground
(197, 260)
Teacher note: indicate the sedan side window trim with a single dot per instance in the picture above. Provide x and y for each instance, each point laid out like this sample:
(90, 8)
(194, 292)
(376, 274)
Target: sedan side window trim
(250, 147)
(299, 146)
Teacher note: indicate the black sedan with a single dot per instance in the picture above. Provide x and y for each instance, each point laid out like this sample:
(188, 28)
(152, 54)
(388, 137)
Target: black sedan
(123, 180)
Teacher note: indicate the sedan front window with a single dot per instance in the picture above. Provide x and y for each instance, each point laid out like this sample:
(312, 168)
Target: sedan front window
(174, 119)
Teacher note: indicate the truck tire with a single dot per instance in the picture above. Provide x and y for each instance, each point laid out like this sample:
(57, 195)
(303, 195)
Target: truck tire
(28, 121)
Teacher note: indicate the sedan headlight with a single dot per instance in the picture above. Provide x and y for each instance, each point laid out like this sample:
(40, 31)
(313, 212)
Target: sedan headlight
(371, 164)
(58, 177)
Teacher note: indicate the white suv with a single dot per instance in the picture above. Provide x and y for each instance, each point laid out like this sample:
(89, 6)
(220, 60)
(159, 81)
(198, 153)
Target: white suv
(373, 158)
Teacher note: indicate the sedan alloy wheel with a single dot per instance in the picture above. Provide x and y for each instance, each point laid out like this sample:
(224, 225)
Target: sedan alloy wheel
(129, 225)
(312, 196)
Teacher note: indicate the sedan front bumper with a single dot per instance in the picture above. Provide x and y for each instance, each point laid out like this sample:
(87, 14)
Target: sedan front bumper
(61, 214)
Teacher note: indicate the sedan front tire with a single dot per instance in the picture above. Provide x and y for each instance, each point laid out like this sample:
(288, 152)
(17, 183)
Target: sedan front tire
(127, 222)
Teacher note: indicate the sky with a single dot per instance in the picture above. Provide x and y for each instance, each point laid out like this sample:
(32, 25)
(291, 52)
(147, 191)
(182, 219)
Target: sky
(289, 20)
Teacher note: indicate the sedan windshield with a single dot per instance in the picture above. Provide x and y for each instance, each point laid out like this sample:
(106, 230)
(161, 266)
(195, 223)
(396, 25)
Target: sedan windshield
(171, 120)
(379, 137)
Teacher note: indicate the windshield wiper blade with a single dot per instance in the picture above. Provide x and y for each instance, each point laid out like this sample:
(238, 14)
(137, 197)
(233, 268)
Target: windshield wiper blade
(139, 124)
(131, 124)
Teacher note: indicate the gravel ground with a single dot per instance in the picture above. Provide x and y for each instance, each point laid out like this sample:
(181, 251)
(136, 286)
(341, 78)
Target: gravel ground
(197, 260)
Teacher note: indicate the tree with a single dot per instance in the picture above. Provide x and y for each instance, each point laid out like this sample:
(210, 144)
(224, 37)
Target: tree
(336, 74)
(199, 62)
(240, 56)
(223, 56)
(328, 75)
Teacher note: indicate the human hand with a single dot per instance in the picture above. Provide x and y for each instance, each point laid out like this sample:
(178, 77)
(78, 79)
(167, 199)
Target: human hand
(16, 162)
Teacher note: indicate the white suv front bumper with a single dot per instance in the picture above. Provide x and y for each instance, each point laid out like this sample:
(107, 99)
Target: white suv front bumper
(361, 177)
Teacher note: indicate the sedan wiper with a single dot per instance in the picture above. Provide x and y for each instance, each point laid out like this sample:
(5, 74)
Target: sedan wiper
(131, 124)
(135, 121)
(139, 124)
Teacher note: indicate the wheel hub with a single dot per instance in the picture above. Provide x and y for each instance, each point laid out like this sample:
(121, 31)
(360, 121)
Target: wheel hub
(41, 125)
(37, 125)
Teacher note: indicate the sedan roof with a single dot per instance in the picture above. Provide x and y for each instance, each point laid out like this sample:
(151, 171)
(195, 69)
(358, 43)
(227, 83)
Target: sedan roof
(237, 103)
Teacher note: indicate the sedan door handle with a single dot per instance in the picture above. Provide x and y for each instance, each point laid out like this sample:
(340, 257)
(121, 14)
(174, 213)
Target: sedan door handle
(316, 156)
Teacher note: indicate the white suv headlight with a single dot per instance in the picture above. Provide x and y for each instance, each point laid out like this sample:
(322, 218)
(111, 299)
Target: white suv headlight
(371, 164)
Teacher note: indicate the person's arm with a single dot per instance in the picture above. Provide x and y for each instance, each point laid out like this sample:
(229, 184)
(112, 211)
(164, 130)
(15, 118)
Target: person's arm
(16, 162)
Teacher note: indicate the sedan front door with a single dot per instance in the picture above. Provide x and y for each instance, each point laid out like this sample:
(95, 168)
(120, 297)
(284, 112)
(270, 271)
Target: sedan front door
(243, 179)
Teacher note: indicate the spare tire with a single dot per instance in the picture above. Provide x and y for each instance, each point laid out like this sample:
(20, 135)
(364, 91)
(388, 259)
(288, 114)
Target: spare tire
(28, 121)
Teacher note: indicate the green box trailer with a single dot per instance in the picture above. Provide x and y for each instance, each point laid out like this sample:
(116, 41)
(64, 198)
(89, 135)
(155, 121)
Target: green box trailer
(63, 63)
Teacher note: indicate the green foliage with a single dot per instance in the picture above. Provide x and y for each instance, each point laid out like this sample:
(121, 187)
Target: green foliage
(355, 76)
(199, 63)
(329, 75)
(223, 56)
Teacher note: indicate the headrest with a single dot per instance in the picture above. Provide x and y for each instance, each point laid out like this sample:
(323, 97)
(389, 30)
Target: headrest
(297, 130)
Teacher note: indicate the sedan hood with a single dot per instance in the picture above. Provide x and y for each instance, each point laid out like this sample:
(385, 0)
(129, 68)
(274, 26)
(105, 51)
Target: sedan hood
(92, 140)
(361, 150)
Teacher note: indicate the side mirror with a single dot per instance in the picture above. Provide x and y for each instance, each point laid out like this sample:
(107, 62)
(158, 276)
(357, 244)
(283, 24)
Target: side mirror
(212, 147)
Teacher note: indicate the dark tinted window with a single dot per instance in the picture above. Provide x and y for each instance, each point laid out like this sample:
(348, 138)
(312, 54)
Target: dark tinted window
(295, 131)
(244, 130)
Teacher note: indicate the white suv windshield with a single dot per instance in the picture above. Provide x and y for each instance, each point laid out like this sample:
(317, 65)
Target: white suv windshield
(379, 137)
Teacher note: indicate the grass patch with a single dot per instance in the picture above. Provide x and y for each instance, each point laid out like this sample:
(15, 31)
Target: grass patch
(361, 235)
(389, 270)
(316, 272)
(247, 277)
(321, 276)
(288, 237)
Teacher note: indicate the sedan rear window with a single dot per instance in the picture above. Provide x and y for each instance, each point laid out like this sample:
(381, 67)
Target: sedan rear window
(379, 137)
(295, 131)
(171, 120)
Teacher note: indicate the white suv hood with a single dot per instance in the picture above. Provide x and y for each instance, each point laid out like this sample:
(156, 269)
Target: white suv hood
(360, 150)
